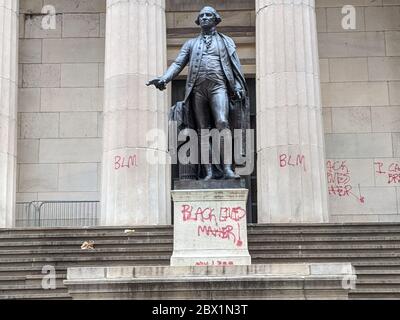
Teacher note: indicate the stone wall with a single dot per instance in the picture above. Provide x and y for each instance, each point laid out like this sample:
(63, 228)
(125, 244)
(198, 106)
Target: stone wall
(60, 101)
(61, 97)
(360, 93)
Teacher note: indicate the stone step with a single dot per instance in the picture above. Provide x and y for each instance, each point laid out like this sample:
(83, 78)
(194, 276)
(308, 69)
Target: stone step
(324, 246)
(381, 283)
(12, 280)
(315, 250)
(128, 244)
(167, 249)
(375, 293)
(73, 230)
(322, 238)
(163, 238)
(367, 262)
(90, 255)
(337, 225)
(37, 280)
(373, 297)
(77, 243)
(40, 276)
(36, 269)
(377, 272)
(29, 271)
(36, 296)
(328, 228)
(86, 261)
(251, 227)
(374, 264)
(378, 285)
(304, 230)
(268, 230)
(28, 289)
(161, 254)
(38, 253)
(154, 241)
(377, 278)
(78, 235)
(157, 238)
(328, 255)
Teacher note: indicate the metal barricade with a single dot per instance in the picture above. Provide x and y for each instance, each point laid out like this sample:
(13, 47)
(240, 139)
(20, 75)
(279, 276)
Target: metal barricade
(50, 214)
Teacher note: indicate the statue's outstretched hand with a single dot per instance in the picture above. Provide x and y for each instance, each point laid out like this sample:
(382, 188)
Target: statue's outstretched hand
(159, 83)
(239, 94)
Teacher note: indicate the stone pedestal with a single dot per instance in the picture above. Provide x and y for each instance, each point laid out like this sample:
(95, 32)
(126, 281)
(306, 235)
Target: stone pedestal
(8, 109)
(135, 176)
(210, 184)
(210, 227)
(291, 174)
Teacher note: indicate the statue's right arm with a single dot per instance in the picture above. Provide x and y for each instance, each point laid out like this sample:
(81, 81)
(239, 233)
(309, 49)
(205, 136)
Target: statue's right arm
(179, 64)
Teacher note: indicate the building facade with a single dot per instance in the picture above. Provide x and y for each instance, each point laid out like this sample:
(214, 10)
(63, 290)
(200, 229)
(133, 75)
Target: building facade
(76, 115)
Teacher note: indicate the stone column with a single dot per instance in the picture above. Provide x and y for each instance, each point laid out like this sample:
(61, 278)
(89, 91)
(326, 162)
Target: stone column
(8, 109)
(135, 191)
(290, 147)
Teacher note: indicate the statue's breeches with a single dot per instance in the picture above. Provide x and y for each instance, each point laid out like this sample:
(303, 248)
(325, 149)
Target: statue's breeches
(210, 104)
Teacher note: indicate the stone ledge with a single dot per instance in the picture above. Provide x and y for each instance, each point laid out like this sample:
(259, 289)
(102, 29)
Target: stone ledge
(209, 195)
(135, 272)
(269, 281)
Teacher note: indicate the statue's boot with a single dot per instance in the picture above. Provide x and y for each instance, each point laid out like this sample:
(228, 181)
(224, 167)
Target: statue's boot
(229, 173)
(209, 172)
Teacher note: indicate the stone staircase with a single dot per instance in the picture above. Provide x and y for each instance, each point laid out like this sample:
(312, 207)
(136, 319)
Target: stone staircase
(374, 250)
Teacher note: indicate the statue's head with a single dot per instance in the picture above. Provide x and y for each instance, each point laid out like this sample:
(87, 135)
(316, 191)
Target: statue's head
(208, 17)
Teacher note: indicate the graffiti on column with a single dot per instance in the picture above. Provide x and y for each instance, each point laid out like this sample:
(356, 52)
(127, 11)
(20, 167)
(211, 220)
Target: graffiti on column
(128, 162)
(339, 181)
(390, 170)
(222, 224)
(298, 160)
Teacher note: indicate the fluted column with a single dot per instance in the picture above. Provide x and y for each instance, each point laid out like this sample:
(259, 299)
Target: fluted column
(135, 191)
(8, 109)
(290, 147)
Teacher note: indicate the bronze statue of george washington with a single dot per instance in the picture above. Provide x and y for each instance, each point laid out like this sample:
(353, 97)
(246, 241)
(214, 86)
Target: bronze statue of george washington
(216, 95)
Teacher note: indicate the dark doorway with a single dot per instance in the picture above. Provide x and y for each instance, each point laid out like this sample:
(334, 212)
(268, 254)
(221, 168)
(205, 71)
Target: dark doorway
(178, 94)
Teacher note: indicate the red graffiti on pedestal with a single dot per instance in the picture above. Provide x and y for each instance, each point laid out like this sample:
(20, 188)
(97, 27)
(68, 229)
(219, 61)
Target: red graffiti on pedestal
(339, 181)
(225, 226)
(214, 263)
(220, 232)
(200, 214)
(234, 214)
